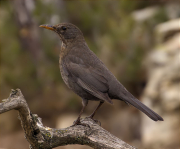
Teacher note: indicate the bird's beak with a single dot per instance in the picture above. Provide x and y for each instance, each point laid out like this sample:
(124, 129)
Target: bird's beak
(50, 27)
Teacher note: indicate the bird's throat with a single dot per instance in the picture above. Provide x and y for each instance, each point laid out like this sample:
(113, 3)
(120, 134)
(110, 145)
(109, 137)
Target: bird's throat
(63, 51)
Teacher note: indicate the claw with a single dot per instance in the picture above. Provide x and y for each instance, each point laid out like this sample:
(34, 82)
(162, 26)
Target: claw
(96, 121)
(77, 122)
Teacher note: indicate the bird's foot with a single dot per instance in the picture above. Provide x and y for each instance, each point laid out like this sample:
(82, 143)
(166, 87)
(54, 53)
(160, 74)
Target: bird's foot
(78, 122)
(96, 121)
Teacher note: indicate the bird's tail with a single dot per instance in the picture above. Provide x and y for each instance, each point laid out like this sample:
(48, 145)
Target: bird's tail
(139, 105)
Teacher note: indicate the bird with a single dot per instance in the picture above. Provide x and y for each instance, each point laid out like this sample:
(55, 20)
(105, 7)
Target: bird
(85, 74)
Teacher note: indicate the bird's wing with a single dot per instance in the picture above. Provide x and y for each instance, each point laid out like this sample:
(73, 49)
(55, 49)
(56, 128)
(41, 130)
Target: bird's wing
(88, 78)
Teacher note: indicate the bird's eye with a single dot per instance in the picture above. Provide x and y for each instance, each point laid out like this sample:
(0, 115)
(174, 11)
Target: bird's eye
(64, 28)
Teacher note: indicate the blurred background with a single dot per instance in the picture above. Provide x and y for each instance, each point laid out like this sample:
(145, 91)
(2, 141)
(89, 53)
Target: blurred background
(139, 41)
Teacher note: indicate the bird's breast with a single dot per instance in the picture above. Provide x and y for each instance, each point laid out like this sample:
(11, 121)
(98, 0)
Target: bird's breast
(63, 70)
(64, 74)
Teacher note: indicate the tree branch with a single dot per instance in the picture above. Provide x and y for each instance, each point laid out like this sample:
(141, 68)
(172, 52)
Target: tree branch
(41, 137)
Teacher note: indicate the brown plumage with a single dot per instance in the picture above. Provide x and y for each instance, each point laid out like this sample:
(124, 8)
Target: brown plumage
(87, 76)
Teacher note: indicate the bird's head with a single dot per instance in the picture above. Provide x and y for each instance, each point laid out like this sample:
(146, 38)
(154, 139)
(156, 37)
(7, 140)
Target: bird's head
(67, 31)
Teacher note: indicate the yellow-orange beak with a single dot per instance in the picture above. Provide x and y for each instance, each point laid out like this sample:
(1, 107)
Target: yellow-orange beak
(50, 27)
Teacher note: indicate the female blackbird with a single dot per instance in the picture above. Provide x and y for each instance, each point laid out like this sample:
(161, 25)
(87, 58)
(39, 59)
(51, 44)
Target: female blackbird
(87, 76)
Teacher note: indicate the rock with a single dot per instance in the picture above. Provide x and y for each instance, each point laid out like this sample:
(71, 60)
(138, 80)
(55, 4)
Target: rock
(162, 93)
(144, 14)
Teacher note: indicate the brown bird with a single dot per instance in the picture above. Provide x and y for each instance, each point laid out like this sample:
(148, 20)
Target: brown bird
(84, 73)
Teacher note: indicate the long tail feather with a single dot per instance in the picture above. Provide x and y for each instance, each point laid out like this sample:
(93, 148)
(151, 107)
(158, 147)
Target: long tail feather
(139, 105)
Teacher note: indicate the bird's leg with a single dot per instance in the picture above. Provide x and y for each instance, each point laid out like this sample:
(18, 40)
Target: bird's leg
(78, 122)
(92, 115)
(78, 119)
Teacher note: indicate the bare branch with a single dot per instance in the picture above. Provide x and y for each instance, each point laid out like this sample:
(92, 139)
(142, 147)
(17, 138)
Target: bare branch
(41, 137)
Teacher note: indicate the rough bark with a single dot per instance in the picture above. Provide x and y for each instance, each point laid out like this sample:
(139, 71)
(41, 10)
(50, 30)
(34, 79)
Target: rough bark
(41, 137)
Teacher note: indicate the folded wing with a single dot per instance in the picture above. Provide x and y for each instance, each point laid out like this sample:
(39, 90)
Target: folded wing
(88, 78)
